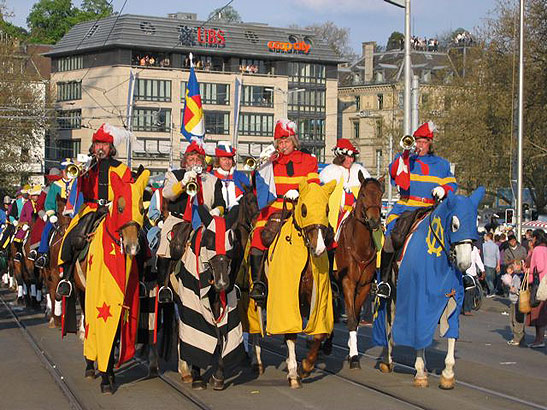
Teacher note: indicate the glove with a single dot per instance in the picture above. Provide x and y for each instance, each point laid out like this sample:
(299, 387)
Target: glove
(438, 193)
(41, 213)
(160, 224)
(267, 152)
(44, 217)
(25, 227)
(215, 212)
(188, 176)
(292, 195)
(53, 219)
(15, 223)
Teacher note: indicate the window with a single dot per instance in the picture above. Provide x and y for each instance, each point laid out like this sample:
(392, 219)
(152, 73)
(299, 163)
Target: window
(255, 96)
(70, 63)
(68, 91)
(152, 119)
(356, 129)
(254, 66)
(307, 73)
(205, 63)
(317, 150)
(379, 76)
(310, 129)
(357, 103)
(306, 100)
(152, 147)
(211, 93)
(68, 148)
(153, 90)
(380, 99)
(217, 122)
(256, 124)
(69, 120)
(426, 76)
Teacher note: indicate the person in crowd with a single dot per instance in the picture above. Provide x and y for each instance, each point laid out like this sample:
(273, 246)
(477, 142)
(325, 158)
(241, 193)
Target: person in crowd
(491, 255)
(470, 288)
(516, 318)
(233, 181)
(526, 239)
(538, 263)
(503, 245)
(515, 254)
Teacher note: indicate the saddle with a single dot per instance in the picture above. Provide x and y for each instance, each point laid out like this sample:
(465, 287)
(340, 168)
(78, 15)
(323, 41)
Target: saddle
(404, 224)
(180, 235)
(273, 227)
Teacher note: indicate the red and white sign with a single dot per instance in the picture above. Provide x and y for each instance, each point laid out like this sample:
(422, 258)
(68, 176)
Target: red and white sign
(211, 36)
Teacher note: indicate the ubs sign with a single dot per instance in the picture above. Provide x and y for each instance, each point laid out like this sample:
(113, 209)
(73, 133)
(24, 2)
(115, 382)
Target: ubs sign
(192, 36)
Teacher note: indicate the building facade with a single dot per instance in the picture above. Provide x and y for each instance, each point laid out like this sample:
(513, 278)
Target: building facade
(371, 95)
(269, 72)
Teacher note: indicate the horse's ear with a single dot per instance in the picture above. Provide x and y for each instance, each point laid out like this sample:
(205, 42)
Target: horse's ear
(450, 199)
(232, 216)
(142, 180)
(204, 214)
(361, 177)
(303, 187)
(329, 187)
(477, 195)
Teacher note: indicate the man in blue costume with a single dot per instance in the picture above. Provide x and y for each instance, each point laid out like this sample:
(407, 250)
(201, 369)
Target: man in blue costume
(422, 178)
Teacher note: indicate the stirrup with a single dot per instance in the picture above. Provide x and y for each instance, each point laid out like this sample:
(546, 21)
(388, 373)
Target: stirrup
(64, 288)
(18, 256)
(165, 295)
(258, 293)
(32, 255)
(383, 290)
(41, 262)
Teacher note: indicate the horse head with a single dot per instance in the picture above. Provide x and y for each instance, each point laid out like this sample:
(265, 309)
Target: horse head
(311, 214)
(217, 240)
(126, 213)
(461, 226)
(248, 207)
(368, 206)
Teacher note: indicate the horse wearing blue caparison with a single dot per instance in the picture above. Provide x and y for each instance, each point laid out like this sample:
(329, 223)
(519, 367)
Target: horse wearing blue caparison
(429, 289)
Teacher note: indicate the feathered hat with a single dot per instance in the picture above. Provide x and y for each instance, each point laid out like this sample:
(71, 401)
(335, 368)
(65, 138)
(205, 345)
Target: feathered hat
(425, 130)
(284, 128)
(110, 134)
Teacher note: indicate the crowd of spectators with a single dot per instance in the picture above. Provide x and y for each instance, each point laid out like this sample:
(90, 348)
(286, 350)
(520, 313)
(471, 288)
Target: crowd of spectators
(463, 39)
(248, 69)
(150, 60)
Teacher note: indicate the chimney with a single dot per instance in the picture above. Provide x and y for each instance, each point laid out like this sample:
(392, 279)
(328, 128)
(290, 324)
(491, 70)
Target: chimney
(368, 48)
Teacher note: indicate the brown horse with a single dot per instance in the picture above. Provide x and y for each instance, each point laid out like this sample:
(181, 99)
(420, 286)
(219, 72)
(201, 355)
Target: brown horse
(356, 256)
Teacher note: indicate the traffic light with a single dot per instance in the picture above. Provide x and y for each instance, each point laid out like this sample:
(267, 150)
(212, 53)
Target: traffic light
(510, 216)
(525, 207)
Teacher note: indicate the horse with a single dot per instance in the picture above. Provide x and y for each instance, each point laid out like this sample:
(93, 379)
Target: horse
(209, 327)
(356, 258)
(109, 275)
(429, 288)
(51, 270)
(297, 269)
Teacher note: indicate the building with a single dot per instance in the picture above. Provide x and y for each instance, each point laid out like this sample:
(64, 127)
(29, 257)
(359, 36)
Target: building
(371, 94)
(283, 72)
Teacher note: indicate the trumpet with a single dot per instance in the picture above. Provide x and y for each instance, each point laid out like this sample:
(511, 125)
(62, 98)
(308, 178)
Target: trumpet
(408, 143)
(252, 163)
(192, 188)
(73, 171)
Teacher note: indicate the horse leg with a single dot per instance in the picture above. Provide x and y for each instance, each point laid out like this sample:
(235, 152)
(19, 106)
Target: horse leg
(153, 366)
(386, 365)
(309, 362)
(327, 345)
(197, 380)
(292, 365)
(420, 379)
(447, 376)
(256, 354)
(349, 298)
(89, 369)
(107, 378)
(218, 375)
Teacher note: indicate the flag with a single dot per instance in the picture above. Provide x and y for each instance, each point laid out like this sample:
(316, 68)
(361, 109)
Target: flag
(265, 185)
(74, 200)
(193, 125)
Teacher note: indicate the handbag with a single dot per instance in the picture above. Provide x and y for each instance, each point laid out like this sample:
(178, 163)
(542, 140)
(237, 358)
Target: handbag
(524, 296)
(541, 294)
(534, 302)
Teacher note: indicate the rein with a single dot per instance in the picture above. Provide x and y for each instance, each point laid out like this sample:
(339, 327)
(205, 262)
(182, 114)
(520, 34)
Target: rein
(449, 254)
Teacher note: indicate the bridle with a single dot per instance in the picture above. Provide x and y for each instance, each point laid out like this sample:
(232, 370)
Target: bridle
(119, 241)
(450, 253)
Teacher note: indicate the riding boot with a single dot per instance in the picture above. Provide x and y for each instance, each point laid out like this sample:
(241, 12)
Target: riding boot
(64, 287)
(384, 287)
(258, 291)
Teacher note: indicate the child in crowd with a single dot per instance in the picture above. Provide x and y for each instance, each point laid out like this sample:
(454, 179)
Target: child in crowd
(516, 317)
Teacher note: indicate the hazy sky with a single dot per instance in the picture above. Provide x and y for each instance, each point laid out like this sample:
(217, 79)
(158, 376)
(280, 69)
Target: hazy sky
(368, 20)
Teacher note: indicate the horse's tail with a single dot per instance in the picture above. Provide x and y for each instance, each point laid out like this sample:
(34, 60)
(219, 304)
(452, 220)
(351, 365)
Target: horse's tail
(166, 312)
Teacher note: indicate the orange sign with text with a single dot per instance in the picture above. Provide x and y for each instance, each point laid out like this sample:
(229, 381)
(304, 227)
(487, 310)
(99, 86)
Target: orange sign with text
(285, 47)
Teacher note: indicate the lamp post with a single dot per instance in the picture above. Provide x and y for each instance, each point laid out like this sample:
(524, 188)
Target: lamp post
(520, 121)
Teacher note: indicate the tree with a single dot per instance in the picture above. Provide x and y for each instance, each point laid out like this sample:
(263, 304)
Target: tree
(93, 10)
(479, 124)
(226, 15)
(336, 37)
(395, 41)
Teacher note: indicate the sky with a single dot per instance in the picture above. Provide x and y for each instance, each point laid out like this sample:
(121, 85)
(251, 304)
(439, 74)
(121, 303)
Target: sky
(368, 20)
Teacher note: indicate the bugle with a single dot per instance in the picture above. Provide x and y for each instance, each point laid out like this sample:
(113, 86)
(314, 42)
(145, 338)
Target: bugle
(252, 163)
(408, 143)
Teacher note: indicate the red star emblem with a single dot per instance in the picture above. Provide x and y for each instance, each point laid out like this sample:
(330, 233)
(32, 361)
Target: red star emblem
(104, 312)
(86, 330)
(90, 260)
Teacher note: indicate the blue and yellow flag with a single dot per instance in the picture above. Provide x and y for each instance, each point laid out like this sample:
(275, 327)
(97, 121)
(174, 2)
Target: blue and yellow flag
(193, 125)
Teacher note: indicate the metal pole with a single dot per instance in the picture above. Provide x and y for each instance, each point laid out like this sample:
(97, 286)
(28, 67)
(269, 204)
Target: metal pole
(407, 118)
(130, 98)
(520, 121)
(415, 100)
(172, 148)
(388, 178)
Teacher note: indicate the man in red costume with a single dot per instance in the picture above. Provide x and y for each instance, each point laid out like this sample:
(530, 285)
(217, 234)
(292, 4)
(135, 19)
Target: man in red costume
(290, 167)
(97, 193)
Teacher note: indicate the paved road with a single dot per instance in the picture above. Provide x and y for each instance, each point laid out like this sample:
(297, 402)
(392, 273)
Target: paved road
(487, 369)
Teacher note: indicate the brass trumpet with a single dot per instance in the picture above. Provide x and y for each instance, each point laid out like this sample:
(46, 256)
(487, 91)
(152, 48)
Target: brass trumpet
(73, 171)
(192, 188)
(252, 163)
(408, 143)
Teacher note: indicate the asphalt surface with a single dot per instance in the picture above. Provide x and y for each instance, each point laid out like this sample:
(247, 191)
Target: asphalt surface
(490, 374)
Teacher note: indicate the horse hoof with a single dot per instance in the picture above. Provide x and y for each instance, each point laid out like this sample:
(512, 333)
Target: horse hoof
(295, 383)
(421, 382)
(187, 378)
(446, 384)
(302, 373)
(51, 324)
(327, 349)
(354, 362)
(258, 368)
(385, 367)
(218, 384)
(153, 372)
(90, 374)
(107, 388)
(199, 385)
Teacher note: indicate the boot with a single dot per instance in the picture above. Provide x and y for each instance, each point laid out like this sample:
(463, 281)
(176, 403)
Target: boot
(258, 291)
(384, 287)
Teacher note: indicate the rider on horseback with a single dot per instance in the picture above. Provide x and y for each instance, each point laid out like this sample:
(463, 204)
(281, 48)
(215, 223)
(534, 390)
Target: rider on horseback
(422, 178)
(289, 168)
(28, 212)
(97, 193)
(233, 181)
(61, 187)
